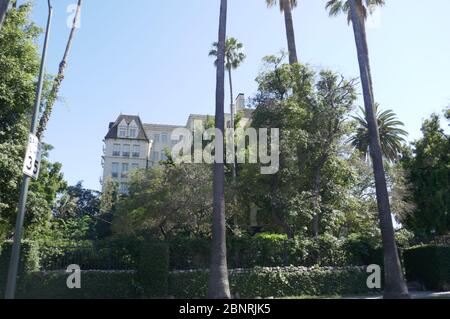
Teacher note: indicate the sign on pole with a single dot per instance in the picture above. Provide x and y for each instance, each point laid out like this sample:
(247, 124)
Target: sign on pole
(32, 162)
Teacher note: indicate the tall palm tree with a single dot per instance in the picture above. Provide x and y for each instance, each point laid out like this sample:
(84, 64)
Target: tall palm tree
(234, 56)
(4, 4)
(218, 286)
(357, 12)
(286, 6)
(60, 77)
(391, 135)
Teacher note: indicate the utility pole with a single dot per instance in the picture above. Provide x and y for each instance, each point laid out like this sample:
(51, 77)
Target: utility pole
(15, 254)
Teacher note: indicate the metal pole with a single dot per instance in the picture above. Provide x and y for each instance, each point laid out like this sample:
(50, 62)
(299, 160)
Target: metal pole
(15, 254)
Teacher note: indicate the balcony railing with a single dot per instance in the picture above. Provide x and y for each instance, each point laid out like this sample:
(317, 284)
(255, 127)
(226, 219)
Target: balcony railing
(125, 154)
(136, 154)
(116, 153)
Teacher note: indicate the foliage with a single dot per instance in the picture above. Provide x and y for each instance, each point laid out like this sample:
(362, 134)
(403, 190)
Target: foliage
(167, 200)
(275, 282)
(94, 285)
(233, 53)
(271, 250)
(392, 136)
(428, 172)
(19, 65)
(430, 265)
(153, 269)
(29, 261)
(311, 109)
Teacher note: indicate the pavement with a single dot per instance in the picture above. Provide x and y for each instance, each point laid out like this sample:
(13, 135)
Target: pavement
(414, 295)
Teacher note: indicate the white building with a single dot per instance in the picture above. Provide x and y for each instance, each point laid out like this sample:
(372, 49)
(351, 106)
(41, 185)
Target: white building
(131, 144)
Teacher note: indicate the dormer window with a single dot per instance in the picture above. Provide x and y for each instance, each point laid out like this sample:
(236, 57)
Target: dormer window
(132, 132)
(123, 131)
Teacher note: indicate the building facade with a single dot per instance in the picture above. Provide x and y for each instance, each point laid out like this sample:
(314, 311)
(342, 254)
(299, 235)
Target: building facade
(131, 144)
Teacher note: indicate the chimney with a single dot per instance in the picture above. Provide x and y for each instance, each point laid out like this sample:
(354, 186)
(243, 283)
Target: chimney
(240, 102)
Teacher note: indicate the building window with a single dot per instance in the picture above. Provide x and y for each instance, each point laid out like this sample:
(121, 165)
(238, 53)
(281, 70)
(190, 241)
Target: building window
(136, 150)
(155, 156)
(126, 150)
(125, 168)
(123, 188)
(134, 166)
(132, 132)
(164, 138)
(163, 156)
(122, 131)
(116, 150)
(156, 138)
(115, 170)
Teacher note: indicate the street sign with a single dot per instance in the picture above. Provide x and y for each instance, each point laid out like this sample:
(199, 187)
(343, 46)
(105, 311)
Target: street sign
(32, 161)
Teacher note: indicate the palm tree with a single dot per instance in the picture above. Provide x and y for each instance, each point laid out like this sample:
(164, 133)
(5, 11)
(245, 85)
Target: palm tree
(286, 6)
(4, 4)
(234, 56)
(391, 135)
(218, 286)
(60, 77)
(357, 11)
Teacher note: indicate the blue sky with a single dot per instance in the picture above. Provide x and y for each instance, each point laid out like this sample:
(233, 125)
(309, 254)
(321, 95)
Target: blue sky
(150, 57)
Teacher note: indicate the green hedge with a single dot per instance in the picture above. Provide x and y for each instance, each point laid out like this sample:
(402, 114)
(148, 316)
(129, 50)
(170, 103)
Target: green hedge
(94, 285)
(275, 282)
(149, 280)
(28, 262)
(430, 265)
(272, 250)
(153, 269)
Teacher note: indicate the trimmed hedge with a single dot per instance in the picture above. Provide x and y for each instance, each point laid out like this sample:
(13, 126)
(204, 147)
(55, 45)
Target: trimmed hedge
(149, 280)
(94, 285)
(153, 269)
(28, 262)
(275, 282)
(430, 265)
(272, 250)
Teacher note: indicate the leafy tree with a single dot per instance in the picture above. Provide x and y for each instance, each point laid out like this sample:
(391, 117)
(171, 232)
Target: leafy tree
(392, 137)
(167, 201)
(357, 11)
(77, 202)
(19, 62)
(218, 286)
(428, 172)
(286, 6)
(311, 110)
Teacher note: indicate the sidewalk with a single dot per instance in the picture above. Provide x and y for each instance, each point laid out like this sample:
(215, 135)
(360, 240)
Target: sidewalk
(414, 295)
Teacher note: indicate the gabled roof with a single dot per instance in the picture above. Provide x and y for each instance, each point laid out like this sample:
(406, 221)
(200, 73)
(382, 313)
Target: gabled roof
(113, 127)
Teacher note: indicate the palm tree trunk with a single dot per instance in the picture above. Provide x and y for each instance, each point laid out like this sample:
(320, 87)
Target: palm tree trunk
(218, 286)
(60, 77)
(395, 286)
(290, 34)
(4, 4)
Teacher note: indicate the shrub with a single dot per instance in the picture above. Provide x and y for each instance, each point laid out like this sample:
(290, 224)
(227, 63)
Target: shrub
(274, 282)
(263, 250)
(153, 269)
(361, 250)
(28, 262)
(94, 285)
(430, 265)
